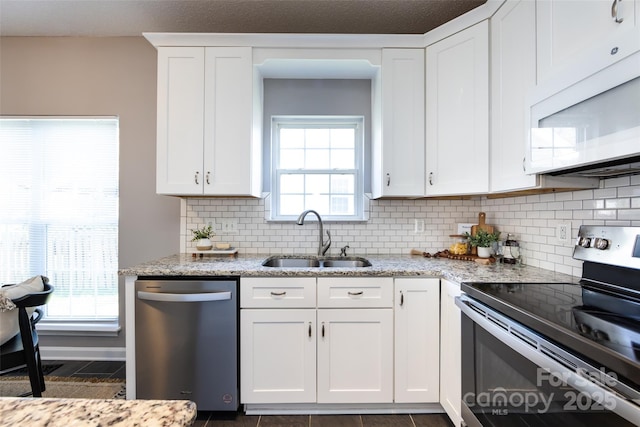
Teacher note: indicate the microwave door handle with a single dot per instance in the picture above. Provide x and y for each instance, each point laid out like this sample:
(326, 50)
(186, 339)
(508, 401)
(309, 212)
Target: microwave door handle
(202, 297)
(610, 401)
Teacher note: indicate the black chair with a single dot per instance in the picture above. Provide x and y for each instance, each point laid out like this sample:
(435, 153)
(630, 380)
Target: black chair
(23, 348)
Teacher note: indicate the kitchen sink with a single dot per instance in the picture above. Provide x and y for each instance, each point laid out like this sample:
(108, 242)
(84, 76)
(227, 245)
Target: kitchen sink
(346, 262)
(275, 261)
(289, 261)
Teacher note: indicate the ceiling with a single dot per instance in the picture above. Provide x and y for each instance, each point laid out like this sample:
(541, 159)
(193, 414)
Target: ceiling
(105, 18)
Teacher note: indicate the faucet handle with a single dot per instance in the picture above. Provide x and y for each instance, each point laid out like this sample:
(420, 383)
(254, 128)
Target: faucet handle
(343, 250)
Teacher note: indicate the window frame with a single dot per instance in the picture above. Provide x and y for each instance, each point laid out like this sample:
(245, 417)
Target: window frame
(70, 324)
(355, 122)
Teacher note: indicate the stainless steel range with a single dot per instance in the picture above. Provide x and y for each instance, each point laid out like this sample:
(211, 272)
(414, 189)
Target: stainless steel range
(557, 353)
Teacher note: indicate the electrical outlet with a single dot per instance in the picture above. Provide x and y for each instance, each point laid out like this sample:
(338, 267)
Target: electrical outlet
(563, 233)
(418, 226)
(228, 225)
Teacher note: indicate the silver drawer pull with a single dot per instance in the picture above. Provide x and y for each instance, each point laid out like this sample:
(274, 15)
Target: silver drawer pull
(279, 294)
(355, 293)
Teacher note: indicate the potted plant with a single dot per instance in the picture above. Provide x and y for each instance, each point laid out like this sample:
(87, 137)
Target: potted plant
(202, 237)
(483, 240)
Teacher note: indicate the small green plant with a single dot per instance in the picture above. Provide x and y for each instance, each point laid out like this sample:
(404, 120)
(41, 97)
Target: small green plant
(205, 232)
(482, 238)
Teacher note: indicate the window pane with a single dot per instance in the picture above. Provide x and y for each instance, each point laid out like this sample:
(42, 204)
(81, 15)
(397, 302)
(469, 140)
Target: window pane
(342, 184)
(319, 203)
(291, 138)
(292, 159)
(318, 138)
(317, 184)
(291, 205)
(342, 205)
(292, 184)
(343, 159)
(318, 159)
(343, 138)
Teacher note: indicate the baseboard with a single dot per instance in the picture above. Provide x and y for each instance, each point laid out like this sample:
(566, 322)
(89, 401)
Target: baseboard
(83, 353)
(327, 409)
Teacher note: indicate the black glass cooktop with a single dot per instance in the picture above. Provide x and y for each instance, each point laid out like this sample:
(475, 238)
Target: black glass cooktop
(575, 317)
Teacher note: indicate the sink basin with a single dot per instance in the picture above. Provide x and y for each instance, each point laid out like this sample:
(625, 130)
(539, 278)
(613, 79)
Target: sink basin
(275, 261)
(346, 263)
(313, 262)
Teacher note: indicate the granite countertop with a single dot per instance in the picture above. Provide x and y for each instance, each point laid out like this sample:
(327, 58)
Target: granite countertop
(50, 412)
(382, 265)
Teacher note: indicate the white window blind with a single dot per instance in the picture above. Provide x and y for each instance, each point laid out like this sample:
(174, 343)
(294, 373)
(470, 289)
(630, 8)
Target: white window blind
(59, 216)
(317, 164)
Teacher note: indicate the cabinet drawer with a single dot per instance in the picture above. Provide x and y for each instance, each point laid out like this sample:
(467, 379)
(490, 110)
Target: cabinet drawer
(277, 292)
(355, 292)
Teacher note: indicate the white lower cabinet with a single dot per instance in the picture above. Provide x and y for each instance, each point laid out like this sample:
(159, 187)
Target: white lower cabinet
(417, 340)
(278, 356)
(355, 356)
(333, 340)
(450, 348)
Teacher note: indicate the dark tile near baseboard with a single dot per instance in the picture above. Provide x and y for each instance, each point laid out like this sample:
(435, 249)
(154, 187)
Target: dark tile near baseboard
(431, 420)
(336, 421)
(284, 421)
(68, 368)
(101, 367)
(387, 420)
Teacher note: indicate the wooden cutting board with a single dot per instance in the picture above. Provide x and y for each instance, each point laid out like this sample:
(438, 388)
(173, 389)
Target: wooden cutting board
(482, 225)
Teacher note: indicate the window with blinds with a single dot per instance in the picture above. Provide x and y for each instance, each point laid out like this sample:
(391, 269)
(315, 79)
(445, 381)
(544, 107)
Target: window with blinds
(59, 215)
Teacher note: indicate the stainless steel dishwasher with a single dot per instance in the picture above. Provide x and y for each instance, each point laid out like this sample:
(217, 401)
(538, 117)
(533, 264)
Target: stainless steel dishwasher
(187, 341)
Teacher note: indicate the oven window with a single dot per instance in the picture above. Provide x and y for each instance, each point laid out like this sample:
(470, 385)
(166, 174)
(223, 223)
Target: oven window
(502, 388)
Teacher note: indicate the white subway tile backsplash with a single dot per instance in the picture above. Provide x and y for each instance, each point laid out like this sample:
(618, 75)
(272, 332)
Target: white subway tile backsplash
(390, 230)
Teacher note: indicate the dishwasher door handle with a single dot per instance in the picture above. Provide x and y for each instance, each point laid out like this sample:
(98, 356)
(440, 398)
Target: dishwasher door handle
(208, 296)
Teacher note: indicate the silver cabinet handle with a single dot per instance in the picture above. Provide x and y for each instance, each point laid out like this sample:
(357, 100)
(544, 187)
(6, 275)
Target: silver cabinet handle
(196, 177)
(401, 298)
(388, 180)
(309, 329)
(279, 294)
(430, 178)
(524, 164)
(322, 329)
(615, 11)
(208, 296)
(355, 293)
(207, 177)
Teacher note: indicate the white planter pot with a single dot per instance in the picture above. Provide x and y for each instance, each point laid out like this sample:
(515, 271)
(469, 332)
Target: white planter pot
(484, 252)
(204, 244)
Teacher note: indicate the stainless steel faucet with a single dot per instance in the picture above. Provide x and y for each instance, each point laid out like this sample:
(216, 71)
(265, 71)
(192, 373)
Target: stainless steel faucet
(323, 247)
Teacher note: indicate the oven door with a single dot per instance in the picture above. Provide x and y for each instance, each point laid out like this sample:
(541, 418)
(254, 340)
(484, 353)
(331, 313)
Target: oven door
(514, 377)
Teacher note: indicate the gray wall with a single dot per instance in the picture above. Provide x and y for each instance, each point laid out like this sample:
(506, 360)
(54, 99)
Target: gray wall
(316, 97)
(100, 76)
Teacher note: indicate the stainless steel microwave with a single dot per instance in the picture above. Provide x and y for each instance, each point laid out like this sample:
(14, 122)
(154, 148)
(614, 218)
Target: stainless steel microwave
(587, 122)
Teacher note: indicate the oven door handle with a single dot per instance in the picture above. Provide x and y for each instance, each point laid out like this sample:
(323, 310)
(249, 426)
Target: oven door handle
(611, 401)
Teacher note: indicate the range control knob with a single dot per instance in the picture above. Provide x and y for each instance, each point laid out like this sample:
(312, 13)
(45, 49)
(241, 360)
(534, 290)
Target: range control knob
(585, 242)
(601, 244)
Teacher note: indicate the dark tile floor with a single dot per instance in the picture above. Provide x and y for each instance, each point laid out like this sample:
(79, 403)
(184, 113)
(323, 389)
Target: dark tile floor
(104, 369)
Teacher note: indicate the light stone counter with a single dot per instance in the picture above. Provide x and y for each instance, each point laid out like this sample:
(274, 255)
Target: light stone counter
(382, 265)
(36, 412)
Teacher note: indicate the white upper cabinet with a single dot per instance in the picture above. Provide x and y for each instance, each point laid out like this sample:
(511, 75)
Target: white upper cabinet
(180, 120)
(457, 99)
(206, 142)
(398, 154)
(594, 33)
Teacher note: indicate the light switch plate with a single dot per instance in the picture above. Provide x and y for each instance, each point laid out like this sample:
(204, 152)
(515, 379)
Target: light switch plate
(227, 225)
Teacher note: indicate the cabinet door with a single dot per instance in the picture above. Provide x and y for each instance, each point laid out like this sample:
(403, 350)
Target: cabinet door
(450, 347)
(513, 75)
(399, 157)
(417, 340)
(180, 120)
(228, 147)
(277, 356)
(569, 31)
(458, 113)
(355, 356)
